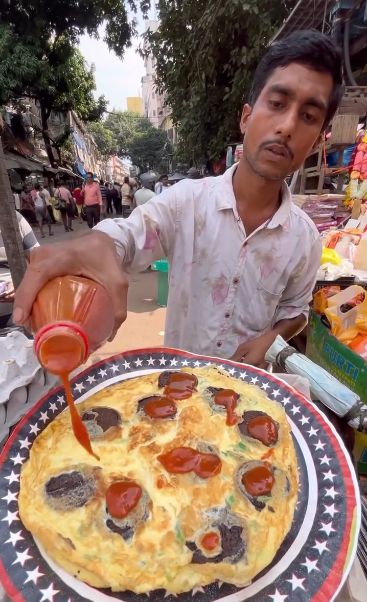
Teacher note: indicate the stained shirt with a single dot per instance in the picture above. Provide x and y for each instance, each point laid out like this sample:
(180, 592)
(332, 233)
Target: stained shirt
(225, 287)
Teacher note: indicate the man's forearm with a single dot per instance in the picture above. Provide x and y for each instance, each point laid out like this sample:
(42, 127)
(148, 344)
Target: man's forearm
(290, 327)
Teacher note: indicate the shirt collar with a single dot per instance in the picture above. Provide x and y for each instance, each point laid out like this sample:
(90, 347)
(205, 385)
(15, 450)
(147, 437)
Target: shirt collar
(227, 200)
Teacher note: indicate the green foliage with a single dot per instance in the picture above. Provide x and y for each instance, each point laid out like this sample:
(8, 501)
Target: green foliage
(206, 53)
(103, 138)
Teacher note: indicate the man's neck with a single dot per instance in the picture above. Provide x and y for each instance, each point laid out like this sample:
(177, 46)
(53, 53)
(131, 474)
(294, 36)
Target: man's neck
(254, 193)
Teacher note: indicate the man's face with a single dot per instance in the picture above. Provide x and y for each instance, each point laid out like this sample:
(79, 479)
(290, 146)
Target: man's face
(89, 178)
(165, 181)
(285, 123)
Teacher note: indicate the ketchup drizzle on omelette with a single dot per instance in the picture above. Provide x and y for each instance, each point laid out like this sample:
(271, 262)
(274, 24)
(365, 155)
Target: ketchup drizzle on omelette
(186, 459)
(264, 429)
(210, 541)
(122, 497)
(180, 385)
(160, 407)
(228, 399)
(258, 481)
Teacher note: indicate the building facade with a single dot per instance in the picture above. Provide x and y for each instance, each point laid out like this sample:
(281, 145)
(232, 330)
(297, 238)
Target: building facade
(153, 102)
(135, 104)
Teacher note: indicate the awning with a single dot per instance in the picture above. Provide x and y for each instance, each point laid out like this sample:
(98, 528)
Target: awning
(70, 173)
(13, 161)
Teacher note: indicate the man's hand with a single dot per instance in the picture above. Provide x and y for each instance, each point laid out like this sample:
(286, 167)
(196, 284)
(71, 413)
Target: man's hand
(92, 255)
(253, 352)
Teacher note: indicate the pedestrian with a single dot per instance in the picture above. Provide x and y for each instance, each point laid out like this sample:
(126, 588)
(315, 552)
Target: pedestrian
(110, 194)
(115, 198)
(65, 204)
(243, 257)
(142, 195)
(103, 187)
(47, 198)
(126, 197)
(161, 185)
(78, 197)
(27, 208)
(92, 200)
(42, 215)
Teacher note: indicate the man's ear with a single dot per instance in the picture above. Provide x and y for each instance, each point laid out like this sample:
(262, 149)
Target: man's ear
(246, 112)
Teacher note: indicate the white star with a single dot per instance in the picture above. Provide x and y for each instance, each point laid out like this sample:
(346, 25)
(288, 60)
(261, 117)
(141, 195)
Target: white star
(25, 443)
(34, 575)
(138, 362)
(79, 387)
(304, 420)
(49, 593)
(243, 375)
(10, 517)
(331, 493)
(321, 546)
(53, 407)
(278, 597)
(10, 497)
(325, 460)
(319, 445)
(162, 361)
(327, 528)
(168, 594)
(296, 583)
(44, 417)
(197, 590)
(22, 557)
(114, 368)
(312, 432)
(91, 379)
(219, 584)
(265, 386)
(150, 361)
(331, 510)
(60, 400)
(295, 410)
(232, 371)
(254, 380)
(275, 393)
(126, 365)
(18, 459)
(14, 537)
(184, 363)
(329, 476)
(174, 362)
(103, 373)
(285, 401)
(311, 565)
(197, 364)
(12, 477)
(209, 364)
(34, 429)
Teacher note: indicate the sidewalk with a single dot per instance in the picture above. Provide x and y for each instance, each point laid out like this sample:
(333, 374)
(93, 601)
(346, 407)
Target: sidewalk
(144, 326)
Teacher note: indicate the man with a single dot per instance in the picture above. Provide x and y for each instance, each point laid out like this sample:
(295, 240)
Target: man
(42, 215)
(104, 188)
(92, 200)
(77, 195)
(243, 257)
(142, 195)
(161, 185)
(46, 195)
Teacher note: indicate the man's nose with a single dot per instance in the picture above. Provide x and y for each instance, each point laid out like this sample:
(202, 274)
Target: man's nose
(287, 123)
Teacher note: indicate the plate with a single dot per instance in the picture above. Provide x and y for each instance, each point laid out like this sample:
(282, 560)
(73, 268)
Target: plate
(314, 559)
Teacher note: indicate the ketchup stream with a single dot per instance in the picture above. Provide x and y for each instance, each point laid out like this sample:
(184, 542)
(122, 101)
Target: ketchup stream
(79, 428)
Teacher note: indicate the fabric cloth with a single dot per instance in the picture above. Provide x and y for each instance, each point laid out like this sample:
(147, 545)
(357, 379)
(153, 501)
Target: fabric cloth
(39, 202)
(78, 196)
(143, 195)
(92, 194)
(63, 193)
(26, 201)
(46, 196)
(225, 287)
(93, 213)
(126, 194)
(159, 188)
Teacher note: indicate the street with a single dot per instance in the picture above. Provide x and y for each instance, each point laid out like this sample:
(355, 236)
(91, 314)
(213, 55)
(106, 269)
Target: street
(144, 326)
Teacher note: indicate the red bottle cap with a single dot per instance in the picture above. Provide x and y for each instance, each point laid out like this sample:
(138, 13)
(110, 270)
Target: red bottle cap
(61, 347)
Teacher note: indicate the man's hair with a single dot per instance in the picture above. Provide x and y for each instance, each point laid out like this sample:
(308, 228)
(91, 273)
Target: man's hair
(307, 47)
(163, 177)
(37, 186)
(89, 173)
(126, 180)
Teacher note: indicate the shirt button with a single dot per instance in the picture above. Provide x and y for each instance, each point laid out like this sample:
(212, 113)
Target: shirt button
(227, 315)
(219, 344)
(235, 280)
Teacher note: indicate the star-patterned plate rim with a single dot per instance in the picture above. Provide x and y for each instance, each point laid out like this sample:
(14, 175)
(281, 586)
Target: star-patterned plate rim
(17, 579)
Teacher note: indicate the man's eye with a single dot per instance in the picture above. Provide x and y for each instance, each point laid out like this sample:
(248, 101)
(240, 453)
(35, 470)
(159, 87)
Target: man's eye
(275, 104)
(309, 118)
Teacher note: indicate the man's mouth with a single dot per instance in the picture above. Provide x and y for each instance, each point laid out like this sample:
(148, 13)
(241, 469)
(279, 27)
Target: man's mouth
(279, 150)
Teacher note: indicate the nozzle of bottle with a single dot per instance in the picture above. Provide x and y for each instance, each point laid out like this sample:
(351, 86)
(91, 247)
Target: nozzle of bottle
(61, 347)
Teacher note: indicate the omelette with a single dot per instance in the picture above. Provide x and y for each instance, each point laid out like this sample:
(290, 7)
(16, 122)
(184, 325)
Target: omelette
(196, 482)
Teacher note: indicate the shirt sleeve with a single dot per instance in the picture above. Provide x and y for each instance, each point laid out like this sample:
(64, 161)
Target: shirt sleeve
(297, 295)
(148, 234)
(27, 234)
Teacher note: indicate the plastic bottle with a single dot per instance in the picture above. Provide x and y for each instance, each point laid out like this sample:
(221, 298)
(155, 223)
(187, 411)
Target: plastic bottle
(71, 317)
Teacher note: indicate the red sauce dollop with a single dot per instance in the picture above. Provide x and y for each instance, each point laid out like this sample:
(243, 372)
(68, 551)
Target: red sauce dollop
(185, 459)
(210, 541)
(264, 429)
(122, 497)
(160, 407)
(228, 399)
(180, 385)
(258, 480)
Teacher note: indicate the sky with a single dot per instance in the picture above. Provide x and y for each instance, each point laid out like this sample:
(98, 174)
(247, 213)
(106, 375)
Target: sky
(115, 78)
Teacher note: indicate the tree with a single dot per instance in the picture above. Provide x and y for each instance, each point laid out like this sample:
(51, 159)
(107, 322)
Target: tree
(205, 54)
(103, 138)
